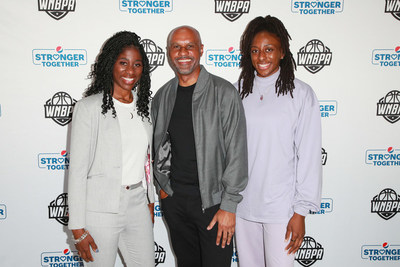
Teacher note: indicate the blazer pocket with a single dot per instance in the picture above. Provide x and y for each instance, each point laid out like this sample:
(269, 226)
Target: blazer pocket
(102, 194)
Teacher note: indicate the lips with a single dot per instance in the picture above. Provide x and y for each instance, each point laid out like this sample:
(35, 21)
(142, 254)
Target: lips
(184, 60)
(263, 66)
(128, 80)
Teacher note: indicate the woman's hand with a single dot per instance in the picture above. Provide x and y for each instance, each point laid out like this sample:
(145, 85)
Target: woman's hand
(151, 208)
(295, 230)
(83, 247)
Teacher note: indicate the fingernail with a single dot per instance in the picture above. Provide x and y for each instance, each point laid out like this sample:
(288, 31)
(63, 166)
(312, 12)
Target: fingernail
(97, 251)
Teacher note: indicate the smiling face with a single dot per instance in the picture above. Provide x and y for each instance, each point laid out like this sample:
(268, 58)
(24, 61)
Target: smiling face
(266, 53)
(127, 70)
(184, 52)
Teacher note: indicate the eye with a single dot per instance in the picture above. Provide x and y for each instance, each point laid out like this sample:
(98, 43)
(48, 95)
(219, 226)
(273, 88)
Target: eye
(138, 64)
(189, 46)
(123, 63)
(175, 47)
(254, 51)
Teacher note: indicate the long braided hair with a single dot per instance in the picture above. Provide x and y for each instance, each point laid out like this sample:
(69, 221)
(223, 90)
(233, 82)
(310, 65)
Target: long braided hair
(284, 83)
(102, 73)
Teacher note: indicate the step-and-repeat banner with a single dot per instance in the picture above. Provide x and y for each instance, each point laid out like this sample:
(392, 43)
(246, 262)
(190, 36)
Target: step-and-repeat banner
(347, 50)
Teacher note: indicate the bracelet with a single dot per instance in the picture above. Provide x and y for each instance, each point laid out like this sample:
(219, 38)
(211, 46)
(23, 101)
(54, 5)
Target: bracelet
(83, 236)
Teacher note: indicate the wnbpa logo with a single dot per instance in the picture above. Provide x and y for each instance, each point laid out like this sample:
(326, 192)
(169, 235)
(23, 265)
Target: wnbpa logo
(386, 204)
(309, 252)
(393, 7)
(57, 9)
(314, 56)
(58, 209)
(324, 156)
(159, 254)
(154, 53)
(59, 108)
(232, 9)
(389, 106)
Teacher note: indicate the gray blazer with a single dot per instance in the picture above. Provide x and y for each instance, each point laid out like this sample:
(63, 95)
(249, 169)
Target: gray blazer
(95, 170)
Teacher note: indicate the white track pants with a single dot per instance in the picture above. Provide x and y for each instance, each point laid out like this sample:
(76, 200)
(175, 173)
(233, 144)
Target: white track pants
(262, 244)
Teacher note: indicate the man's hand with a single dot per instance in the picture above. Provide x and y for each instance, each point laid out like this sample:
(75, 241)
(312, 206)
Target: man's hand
(295, 230)
(151, 209)
(163, 194)
(83, 247)
(226, 226)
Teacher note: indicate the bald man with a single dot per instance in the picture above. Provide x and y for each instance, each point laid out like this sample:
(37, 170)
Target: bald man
(200, 157)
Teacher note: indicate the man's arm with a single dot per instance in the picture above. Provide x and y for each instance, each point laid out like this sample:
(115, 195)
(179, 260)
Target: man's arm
(235, 175)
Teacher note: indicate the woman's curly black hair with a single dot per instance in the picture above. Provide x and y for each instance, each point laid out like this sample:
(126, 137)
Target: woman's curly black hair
(102, 73)
(284, 83)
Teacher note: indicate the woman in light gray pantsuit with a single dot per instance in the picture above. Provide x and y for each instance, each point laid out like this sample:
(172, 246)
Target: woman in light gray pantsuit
(110, 184)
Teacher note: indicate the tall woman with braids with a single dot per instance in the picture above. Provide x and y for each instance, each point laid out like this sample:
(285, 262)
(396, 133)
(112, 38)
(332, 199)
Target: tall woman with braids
(110, 187)
(284, 148)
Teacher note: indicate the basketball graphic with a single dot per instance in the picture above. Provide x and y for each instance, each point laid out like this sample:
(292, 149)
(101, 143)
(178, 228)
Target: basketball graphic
(387, 194)
(154, 53)
(61, 98)
(389, 106)
(149, 45)
(309, 252)
(160, 254)
(58, 209)
(61, 200)
(392, 97)
(314, 46)
(59, 108)
(314, 56)
(386, 204)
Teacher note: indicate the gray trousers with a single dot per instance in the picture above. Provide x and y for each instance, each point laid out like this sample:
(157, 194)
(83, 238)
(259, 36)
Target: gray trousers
(130, 231)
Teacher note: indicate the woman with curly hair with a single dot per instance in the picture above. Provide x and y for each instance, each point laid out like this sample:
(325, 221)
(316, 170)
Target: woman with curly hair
(284, 148)
(110, 186)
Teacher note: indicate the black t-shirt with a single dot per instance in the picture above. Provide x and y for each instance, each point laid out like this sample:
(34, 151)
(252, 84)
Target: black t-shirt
(183, 163)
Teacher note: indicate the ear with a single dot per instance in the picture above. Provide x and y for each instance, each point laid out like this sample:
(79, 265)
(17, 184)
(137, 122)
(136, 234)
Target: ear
(201, 50)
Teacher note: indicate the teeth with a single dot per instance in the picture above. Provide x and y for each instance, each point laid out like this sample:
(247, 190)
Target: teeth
(184, 60)
(128, 79)
(263, 65)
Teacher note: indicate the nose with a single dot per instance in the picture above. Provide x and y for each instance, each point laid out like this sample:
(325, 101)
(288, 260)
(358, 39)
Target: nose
(129, 69)
(183, 50)
(262, 55)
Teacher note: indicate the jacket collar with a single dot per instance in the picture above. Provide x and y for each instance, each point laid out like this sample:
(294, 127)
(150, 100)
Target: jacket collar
(200, 83)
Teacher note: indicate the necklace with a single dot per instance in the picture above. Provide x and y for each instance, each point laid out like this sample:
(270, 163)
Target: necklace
(128, 106)
(261, 95)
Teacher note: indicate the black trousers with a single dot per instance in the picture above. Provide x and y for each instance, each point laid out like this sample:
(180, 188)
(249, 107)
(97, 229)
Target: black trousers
(193, 244)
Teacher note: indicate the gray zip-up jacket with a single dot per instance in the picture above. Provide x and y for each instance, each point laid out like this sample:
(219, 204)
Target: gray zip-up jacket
(220, 139)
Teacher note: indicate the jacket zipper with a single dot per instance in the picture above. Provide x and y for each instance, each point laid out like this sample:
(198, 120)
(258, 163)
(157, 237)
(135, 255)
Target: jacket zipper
(195, 146)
